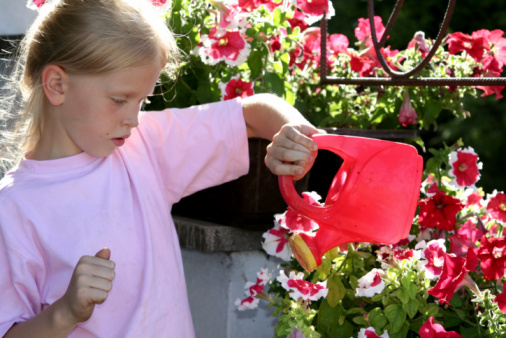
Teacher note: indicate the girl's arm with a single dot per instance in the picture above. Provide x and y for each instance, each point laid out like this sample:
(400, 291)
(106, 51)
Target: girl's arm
(292, 151)
(90, 285)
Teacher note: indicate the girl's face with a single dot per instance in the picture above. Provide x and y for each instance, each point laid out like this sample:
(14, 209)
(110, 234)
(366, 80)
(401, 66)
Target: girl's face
(99, 112)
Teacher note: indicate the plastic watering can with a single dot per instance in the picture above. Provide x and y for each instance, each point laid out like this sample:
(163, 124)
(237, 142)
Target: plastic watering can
(372, 198)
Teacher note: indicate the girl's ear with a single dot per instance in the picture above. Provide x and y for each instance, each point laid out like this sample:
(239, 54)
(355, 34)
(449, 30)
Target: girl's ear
(54, 80)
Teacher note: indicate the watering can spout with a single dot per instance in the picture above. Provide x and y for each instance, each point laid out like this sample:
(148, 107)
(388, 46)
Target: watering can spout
(372, 198)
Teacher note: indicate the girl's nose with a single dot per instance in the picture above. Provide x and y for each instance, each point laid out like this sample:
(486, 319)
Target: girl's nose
(132, 120)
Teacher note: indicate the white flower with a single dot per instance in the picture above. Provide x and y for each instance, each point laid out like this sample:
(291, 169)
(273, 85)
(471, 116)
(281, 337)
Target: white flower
(370, 284)
(300, 288)
(365, 333)
(247, 303)
(276, 242)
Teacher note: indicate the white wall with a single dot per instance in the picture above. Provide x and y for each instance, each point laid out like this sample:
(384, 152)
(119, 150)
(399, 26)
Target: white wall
(15, 17)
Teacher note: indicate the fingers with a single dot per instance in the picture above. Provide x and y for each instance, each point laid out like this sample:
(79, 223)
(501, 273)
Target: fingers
(105, 253)
(292, 151)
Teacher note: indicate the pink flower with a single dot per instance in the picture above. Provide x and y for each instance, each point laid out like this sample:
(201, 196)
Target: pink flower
(407, 114)
(37, 4)
(474, 199)
(496, 206)
(247, 303)
(370, 284)
(370, 332)
(500, 299)
(434, 330)
(492, 254)
(419, 43)
(474, 46)
(250, 5)
(311, 50)
(236, 87)
(464, 238)
(455, 274)
(401, 254)
(363, 31)
(314, 9)
(434, 253)
(439, 211)
(276, 242)
(298, 20)
(465, 167)
(299, 288)
(495, 42)
(229, 47)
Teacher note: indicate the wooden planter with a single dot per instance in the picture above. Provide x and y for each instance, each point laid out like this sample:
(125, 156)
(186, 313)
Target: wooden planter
(250, 201)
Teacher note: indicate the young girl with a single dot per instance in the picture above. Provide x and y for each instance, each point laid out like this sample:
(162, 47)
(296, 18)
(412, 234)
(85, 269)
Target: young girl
(95, 179)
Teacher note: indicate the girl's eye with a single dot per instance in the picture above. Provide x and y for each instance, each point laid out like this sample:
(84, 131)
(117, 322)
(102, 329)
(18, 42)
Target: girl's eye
(118, 101)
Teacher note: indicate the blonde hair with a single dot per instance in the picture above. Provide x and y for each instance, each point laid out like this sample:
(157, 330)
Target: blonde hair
(82, 37)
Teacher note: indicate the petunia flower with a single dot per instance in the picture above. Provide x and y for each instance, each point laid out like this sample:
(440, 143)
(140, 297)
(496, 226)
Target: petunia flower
(433, 253)
(492, 254)
(370, 332)
(465, 168)
(363, 30)
(314, 9)
(500, 299)
(37, 4)
(439, 211)
(229, 47)
(496, 206)
(474, 46)
(298, 223)
(434, 330)
(236, 87)
(407, 114)
(253, 291)
(370, 284)
(276, 242)
(455, 274)
(419, 44)
(299, 288)
(465, 238)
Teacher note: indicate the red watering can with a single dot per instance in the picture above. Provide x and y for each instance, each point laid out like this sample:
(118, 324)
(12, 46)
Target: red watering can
(372, 198)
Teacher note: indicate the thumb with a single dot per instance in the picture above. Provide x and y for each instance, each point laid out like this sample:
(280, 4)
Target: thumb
(105, 253)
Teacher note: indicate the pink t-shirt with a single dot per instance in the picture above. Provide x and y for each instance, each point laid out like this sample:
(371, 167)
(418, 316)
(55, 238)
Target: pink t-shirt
(53, 212)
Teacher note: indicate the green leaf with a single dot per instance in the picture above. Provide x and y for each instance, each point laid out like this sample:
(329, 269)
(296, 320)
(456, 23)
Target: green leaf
(336, 290)
(255, 63)
(360, 321)
(396, 316)
(431, 112)
(411, 308)
(377, 319)
(326, 324)
(403, 296)
(431, 310)
(403, 331)
(274, 82)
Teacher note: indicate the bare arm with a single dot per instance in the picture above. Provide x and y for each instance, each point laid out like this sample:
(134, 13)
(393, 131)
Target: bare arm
(292, 151)
(90, 284)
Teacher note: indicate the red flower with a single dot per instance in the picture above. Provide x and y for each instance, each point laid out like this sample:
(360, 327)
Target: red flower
(236, 87)
(464, 238)
(496, 43)
(362, 65)
(500, 299)
(434, 330)
(474, 46)
(250, 5)
(407, 114)
(439, 211)
(434, 253)
(401, 254)
(455, 274)
(298, 20)
(496, 206)
(313, 7)
(465, 167)
(492, 254)
(297, 223)
(363, 31)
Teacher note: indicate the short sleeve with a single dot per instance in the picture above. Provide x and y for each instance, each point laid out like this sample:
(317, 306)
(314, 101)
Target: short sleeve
(19, 291)
(197, 147)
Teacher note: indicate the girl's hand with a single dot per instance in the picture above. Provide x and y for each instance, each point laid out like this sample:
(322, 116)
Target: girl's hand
(90, 285)
(292, 151)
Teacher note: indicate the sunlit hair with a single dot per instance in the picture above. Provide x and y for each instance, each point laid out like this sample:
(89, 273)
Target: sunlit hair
(82, 37)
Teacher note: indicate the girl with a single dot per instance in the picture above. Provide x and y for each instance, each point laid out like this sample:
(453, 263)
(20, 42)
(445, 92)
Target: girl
(93, 177)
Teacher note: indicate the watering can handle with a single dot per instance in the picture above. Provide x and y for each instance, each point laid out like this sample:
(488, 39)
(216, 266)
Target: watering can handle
(290, 194)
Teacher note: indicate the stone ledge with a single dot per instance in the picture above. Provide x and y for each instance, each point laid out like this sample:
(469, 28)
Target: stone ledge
(211, 237)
